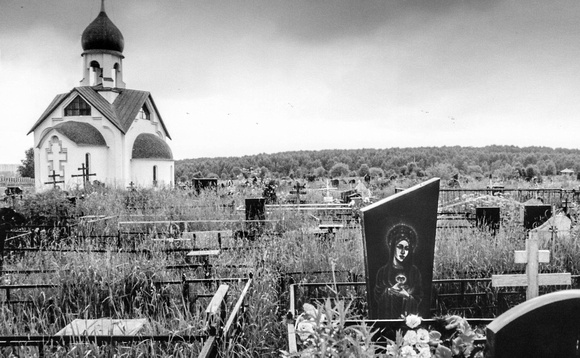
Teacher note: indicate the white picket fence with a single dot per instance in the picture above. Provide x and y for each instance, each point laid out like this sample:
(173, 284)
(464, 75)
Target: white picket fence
(16, 181)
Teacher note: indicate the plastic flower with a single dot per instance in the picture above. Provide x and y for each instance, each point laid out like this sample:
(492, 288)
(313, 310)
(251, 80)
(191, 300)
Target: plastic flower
(412, 321)
(443, 352)
(434, 338)
(424, 352)
(423, 336)
(408, 352)
(410, 338)
(310, 310)
(305, 329)
(456, 322)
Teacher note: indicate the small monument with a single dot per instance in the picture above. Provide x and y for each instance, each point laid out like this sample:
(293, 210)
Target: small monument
(536, 215)
(399, 241)
(255, 215)
(557, 227)
(488, 218)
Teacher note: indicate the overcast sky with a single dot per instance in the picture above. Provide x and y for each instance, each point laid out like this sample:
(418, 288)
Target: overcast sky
(242, 77)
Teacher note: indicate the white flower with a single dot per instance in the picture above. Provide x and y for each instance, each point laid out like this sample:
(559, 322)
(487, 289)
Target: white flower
(413, 321)
(423, 336)
(408, 352)
(305, 329)
(310, 310)
(410, 338)
(424, 352)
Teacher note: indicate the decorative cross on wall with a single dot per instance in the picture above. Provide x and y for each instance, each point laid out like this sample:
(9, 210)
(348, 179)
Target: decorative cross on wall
(56, 155)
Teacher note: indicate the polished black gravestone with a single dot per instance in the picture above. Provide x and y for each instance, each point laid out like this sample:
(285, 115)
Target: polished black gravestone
(487, 218)
(399, 242)
(255, 216)
(547, 326)
(200, 184)
(536, 215)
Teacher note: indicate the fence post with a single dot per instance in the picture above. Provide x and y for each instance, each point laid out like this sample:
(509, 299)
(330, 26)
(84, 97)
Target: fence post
(185, 292)
(2, 241)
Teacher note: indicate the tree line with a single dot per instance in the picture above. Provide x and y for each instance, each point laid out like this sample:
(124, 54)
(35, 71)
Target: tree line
(502, 162)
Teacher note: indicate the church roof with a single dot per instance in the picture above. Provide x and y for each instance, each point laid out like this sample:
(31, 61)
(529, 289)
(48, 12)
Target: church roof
(150, 146)
(102, 34)
(81, 133)
(121, 113)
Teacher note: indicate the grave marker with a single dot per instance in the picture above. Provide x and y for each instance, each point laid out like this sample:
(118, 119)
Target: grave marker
(536, 215)
(547, 326)
(298, 190)
(532, 279)
(255, 216)
(84, 174)
(54, 181)
(399, 238)
(487, 217)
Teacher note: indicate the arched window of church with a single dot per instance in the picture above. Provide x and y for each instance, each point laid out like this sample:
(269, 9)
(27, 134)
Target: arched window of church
(78, 107)
(114, 72)
(144, 113)
(155, 175)
(95, 73)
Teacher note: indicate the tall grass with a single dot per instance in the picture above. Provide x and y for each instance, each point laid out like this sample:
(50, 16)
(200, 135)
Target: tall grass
(122, 285)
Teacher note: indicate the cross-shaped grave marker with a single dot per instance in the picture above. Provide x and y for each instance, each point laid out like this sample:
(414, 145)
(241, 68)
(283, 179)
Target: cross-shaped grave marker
(298, 190)
(54, 181)
(84, 173)
(532, 279)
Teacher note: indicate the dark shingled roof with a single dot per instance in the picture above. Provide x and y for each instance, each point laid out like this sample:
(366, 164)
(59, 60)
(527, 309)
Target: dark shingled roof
(81, 133)
(150, 146)
(102, 34)
(121, 113)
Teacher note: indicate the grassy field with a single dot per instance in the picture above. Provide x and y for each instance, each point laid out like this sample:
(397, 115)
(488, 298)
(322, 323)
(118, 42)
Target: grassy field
(99, 280)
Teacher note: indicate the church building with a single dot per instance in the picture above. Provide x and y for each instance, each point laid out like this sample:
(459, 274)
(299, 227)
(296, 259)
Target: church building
(102, 131)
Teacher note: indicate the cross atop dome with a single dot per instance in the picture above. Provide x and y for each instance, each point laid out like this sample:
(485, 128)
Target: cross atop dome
(103, 45)
(102, 34)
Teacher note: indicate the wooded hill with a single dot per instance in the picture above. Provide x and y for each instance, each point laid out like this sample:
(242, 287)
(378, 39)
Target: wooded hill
(503, 162)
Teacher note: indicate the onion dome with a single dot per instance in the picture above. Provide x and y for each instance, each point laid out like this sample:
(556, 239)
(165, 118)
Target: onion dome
(102, 34)
(150, 146)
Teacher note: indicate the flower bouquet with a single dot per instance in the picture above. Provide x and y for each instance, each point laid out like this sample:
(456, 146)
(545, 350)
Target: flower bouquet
(448, 337)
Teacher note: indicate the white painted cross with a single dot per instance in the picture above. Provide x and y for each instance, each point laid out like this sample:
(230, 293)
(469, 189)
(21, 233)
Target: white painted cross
(56, 155)
(532, 279)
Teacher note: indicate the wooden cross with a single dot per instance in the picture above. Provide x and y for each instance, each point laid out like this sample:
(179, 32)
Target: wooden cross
(131, 186)
(532, 279)
(54, 181)
(84, 173)
(297, 192)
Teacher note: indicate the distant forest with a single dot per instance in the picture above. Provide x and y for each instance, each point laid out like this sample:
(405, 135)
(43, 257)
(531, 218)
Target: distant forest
(501, 162)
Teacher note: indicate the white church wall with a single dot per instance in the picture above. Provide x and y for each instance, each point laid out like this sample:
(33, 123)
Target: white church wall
(142, 172)
(65, 157)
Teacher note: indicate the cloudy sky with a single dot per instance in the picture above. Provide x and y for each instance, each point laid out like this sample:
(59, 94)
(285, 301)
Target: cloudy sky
(242, 77)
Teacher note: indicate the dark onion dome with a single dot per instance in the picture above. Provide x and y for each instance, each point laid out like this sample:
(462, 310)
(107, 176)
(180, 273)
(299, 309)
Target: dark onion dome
(81, 133)
(102, 34)
(150, 146)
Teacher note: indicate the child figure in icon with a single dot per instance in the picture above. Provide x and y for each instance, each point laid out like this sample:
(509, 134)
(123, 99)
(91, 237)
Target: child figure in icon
(398, 290)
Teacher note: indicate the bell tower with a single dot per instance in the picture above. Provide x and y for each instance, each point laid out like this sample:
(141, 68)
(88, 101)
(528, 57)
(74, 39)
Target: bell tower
(102, 55)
